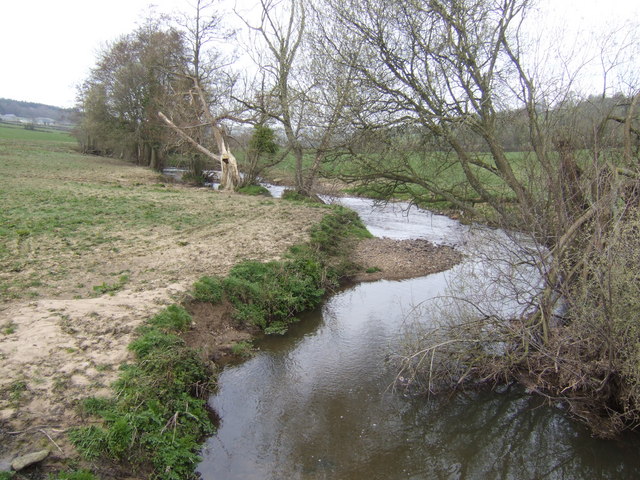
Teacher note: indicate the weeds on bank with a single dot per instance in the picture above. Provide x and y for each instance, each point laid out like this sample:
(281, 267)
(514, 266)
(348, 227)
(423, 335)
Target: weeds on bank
(254, 190)
(242, 349)
(157, 414)
(270, 295)
(111, 288)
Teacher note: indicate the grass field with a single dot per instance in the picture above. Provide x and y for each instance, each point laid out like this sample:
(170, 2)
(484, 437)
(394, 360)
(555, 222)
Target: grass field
(19, 132)
(67, 215)
(90, 247)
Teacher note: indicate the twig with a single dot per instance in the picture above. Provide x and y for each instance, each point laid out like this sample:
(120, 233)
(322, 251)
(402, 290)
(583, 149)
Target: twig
(38, 427)
(52, 440)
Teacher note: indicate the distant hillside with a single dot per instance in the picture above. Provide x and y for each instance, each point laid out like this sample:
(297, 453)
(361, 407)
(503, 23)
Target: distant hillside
(31, 111)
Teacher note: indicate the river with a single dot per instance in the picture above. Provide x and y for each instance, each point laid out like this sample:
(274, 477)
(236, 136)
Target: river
(317, 403)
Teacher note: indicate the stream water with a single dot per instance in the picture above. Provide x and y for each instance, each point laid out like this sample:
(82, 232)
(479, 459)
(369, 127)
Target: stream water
(316, 403)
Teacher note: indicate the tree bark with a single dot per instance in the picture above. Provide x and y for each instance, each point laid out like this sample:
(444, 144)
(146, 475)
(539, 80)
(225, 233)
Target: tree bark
(229, 175)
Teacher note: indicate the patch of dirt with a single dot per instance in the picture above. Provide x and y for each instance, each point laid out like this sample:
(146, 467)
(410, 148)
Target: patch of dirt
(389, 259)
(214, 332)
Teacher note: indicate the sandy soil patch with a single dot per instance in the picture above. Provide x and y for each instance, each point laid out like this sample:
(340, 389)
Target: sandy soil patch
(57, 349)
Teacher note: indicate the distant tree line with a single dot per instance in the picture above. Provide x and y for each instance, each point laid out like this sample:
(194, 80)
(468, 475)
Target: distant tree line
(32, 110)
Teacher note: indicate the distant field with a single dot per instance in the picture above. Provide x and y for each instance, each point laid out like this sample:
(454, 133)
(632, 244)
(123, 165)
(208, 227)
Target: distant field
(19, 132)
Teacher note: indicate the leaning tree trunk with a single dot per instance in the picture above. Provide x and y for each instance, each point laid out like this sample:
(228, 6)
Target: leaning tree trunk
(229, 175)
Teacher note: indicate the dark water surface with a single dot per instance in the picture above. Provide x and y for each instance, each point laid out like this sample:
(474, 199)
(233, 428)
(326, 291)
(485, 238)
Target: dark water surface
(317, 403)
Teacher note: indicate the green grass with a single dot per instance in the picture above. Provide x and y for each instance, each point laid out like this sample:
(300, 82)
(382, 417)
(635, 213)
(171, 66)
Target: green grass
(19, 132)
(158, 414)
(270, 294)
(254, 190)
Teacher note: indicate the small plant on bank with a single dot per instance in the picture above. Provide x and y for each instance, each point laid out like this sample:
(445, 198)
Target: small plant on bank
(208, 289)
(242, 349)
(254, 190)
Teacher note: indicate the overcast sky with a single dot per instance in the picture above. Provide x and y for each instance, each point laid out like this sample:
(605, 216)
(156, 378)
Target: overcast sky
(47, 47)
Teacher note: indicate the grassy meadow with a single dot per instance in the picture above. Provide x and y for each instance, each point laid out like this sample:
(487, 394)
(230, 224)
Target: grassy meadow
(70, 222)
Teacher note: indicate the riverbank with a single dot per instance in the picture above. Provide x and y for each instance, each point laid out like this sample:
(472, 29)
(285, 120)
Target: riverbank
(92, 247)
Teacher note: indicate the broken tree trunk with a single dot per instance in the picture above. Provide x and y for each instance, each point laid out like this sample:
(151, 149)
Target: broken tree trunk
(229, 175)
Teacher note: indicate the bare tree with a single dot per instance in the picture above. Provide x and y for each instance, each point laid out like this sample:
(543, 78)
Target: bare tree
(441, 77)
(299, 90)
(200, 93)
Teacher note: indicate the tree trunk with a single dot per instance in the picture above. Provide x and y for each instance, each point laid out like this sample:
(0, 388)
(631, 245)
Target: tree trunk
(229, 175)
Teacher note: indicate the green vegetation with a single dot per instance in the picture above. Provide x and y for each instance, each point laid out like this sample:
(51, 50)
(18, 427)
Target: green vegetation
(242, 349)
(208, 289)
(157, 413)
(18, 132)
(106, 288)
(270, 295)
(8, 328)
(254, 190)
(17, 390)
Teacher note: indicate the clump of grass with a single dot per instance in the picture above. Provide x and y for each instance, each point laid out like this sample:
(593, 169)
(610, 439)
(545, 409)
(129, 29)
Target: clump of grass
(8, 328)
(242, 349)
(111, 289)
(158, 413)
(254, 190)
(208, 289)
(17, 390)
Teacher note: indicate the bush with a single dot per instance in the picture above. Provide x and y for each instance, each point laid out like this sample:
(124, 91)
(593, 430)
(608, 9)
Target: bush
(264, 293)
(157, 413)
(254, 190)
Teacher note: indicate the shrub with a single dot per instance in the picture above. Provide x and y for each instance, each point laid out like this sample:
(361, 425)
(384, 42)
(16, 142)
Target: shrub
(254, 190)
(264, 293)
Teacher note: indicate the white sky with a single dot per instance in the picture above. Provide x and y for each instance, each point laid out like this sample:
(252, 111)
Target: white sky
(47, 47)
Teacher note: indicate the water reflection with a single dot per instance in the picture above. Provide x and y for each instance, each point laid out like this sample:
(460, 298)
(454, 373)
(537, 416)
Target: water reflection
(316, 404)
